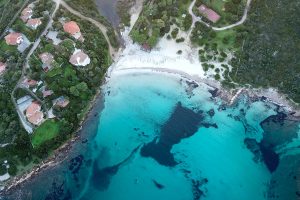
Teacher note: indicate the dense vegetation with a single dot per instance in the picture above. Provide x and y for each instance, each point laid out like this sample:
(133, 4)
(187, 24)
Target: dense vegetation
(18, 150)
(230, 11)
(38, 12)
(269, 55)
(124, 7)
(89, 9)
(157, 18)
(78, 84)
(8, 9)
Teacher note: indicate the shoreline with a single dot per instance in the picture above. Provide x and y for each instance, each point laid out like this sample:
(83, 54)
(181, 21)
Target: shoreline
(59, 155)
(154, 62)
(228, 96)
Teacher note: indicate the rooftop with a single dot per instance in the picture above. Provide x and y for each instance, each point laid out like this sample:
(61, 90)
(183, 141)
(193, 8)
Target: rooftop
(46, 58)
(29, 82)
(71, 27)
(79, 58)
(209, 13)
(47, 93)
(34, 113)
(26, 14)
(61, 102)
(14, 38)
(34, 23)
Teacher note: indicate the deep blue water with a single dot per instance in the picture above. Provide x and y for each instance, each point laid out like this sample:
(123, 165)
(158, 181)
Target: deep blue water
(160, 137)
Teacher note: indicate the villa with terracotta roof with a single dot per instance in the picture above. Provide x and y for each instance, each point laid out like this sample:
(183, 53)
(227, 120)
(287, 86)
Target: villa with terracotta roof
(47, 93)
(34, 23)
(47, 59)
(29, 83)
(61, 102)
(210, 14)
(79, 58)
(73, 29)
(14, 39)
(34, 114)
(26, 14)
(2, 68)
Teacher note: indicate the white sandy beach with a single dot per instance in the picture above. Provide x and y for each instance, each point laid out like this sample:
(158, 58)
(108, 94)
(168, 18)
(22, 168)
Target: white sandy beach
(164, 59)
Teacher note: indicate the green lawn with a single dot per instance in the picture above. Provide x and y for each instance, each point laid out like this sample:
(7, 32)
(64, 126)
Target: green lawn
(230, 34)
(7, 48)
(54, 72)
(47, 131)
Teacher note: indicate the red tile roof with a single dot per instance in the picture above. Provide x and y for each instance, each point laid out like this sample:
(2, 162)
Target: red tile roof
(26, 14)
(34, 23)
(30, 82)
(34, 114)
(47, 93)
(71, 27)
(209, 13)
(46, 58)
(14, 38)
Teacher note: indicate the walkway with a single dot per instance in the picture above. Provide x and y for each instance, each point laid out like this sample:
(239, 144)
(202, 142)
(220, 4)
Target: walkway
(198, 19)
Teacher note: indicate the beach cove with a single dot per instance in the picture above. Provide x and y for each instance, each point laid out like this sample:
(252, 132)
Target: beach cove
(163, 130)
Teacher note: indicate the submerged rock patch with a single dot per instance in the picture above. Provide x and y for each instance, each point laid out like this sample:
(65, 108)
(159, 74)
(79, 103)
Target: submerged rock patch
(183, 123)
(101, 177)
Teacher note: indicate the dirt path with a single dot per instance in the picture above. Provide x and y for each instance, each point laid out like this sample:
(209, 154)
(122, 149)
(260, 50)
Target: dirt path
(113, 52)
(198, 19)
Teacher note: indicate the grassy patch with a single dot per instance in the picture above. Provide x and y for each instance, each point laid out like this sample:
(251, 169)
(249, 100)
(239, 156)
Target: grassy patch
(47, 131)
(54, 72)
(7, 48)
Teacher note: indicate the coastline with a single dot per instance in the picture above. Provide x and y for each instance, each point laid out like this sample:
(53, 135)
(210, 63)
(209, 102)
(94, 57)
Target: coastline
(59, 155)
(170, 64)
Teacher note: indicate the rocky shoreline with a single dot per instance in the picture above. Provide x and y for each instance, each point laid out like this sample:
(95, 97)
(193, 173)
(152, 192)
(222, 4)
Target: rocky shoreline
(59, 155)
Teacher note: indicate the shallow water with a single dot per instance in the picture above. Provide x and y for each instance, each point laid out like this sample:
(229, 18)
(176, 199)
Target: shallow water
(161, 137)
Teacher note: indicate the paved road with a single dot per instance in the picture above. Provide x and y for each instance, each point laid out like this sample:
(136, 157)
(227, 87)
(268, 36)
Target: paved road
(198, 19)
(103, 29)
(27, 126)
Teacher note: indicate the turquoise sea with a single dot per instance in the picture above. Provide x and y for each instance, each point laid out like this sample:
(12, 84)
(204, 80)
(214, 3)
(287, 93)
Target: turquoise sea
(158, 137)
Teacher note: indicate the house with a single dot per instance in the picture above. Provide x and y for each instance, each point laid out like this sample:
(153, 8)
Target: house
(73, 29)
(47, 93)
(47, 59)
(29, 83)
(209, 13)
(34, 23)
(52, 35)
(26, 14)
(2, 67)
(79, 58)
(61, 102)
(146, 47)
(34, 114)
(14, 39)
